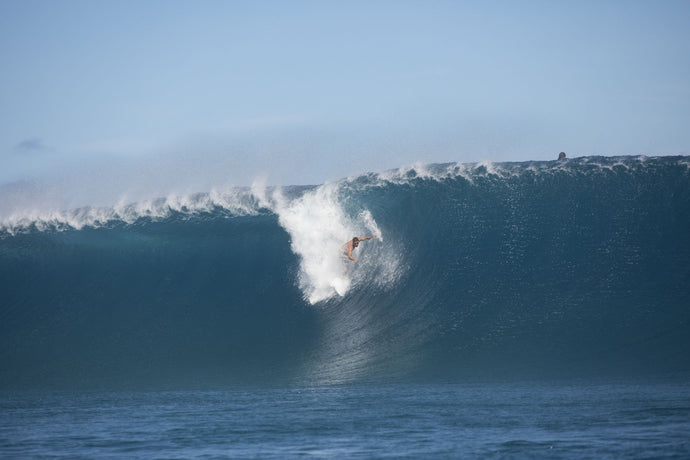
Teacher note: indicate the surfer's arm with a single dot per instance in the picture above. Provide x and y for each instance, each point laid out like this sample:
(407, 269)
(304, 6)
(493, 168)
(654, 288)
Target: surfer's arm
(364, 238)
(349, 254)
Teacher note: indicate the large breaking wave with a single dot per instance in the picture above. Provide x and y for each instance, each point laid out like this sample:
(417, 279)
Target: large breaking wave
(479, 271)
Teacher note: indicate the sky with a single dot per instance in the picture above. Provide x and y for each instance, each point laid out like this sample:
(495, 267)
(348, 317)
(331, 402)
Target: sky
(155, 96)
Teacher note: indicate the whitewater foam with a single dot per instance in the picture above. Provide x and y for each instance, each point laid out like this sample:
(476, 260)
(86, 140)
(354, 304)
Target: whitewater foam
(319, 227)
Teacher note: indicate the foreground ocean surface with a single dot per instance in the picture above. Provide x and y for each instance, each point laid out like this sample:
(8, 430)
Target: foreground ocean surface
(534, 309)
(535, 420)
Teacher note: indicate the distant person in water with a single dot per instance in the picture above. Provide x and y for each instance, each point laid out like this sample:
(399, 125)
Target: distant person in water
(561, 156)
(352, 245)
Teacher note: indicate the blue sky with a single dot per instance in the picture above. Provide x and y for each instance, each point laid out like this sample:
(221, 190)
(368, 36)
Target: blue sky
(197, 94)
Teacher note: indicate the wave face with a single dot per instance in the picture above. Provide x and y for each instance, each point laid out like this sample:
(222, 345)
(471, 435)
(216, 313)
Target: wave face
(483, 271)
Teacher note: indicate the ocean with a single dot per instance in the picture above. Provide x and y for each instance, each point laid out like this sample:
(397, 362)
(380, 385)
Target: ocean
(516, 420)
(530, 309)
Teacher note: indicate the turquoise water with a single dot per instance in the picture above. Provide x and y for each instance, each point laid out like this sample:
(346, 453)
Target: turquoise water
(525, 420)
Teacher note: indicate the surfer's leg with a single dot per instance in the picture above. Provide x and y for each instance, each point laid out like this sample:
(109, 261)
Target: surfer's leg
(346, 263)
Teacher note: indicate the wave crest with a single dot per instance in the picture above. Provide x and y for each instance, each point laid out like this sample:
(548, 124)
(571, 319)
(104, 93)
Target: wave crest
(233, 202)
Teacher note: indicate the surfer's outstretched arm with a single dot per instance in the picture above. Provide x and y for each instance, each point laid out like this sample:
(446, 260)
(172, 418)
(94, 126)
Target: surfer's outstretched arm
(364, 238)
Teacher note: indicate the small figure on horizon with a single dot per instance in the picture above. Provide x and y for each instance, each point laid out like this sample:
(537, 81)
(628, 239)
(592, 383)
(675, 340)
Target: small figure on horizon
(352, 244)
(561, 156)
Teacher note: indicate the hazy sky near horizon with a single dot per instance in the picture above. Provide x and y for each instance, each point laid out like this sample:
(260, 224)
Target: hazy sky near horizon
(209, 93)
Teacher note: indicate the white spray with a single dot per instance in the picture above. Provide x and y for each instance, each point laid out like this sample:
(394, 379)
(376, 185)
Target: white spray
(318, 229)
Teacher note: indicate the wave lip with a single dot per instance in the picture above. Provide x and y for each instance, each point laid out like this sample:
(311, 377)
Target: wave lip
(258, 198)
(232, 202)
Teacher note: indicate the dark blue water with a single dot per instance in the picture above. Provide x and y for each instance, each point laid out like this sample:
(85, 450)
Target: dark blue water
(227, 324)
(535, 420)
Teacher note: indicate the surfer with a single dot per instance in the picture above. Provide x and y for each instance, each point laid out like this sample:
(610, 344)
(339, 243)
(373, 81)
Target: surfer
(561, 156)
(352, 244)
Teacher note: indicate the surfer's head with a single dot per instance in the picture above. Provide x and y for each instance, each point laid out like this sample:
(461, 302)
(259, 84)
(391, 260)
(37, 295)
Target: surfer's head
(355, 241)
